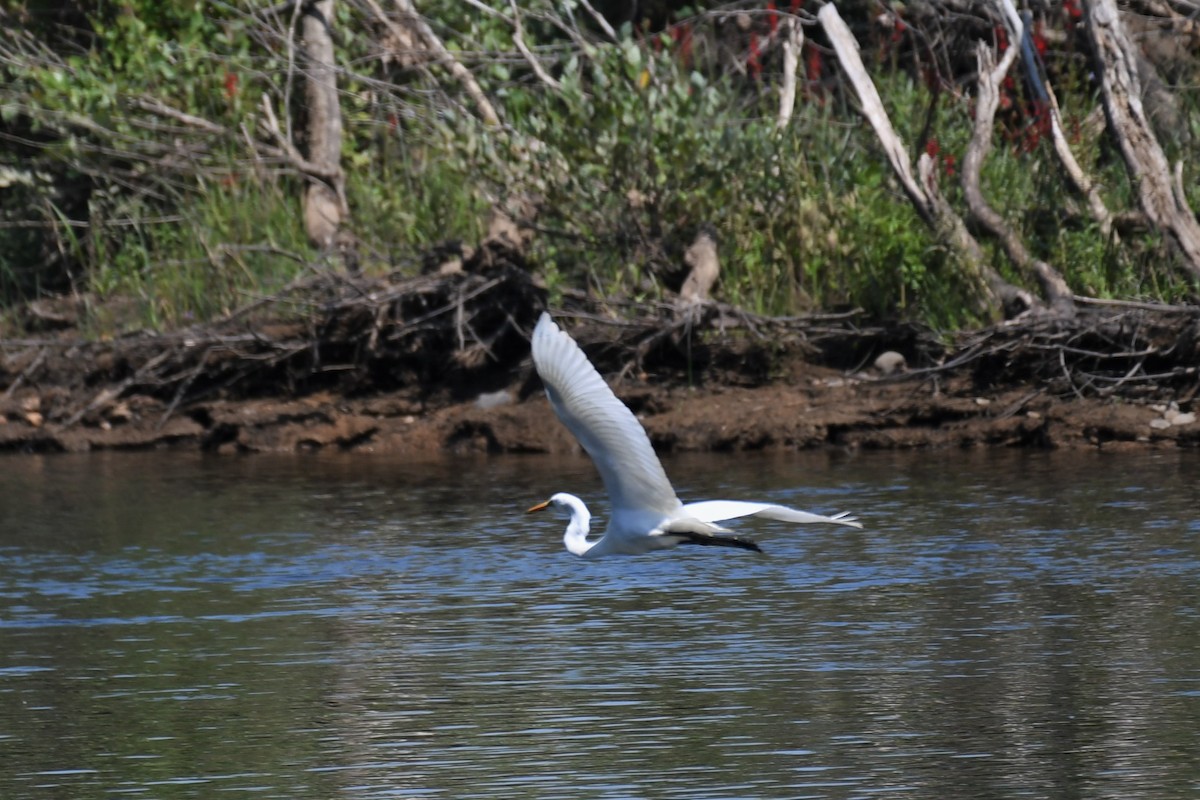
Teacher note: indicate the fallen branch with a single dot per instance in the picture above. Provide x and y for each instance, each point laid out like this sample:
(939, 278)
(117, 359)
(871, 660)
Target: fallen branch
(112, 393)
(33, 367)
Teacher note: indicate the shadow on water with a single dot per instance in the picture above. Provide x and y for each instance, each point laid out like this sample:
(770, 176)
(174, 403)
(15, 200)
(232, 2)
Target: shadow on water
(1007, 624)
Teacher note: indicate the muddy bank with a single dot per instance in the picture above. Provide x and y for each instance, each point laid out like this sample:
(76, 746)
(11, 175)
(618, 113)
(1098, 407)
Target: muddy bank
(826, 411)
(449, 372)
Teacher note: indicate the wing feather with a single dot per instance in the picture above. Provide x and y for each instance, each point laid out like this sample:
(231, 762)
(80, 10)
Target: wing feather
(607, 429)
(720, 510)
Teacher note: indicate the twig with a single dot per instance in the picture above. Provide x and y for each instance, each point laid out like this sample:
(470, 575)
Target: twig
(290, 73)
(1077, 351)
(450, 306)
(1138, 304)
(443, 55)
(155, 106)
(111, 393)
(1128, 376)
(25, 373)
(1019, 404)
(1062, 360)
(600, 20)
(182, 390)
(289, 150)
(519, 41)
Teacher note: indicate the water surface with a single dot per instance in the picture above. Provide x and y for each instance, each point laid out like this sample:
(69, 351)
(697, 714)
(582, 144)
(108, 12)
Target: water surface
(1006, 625)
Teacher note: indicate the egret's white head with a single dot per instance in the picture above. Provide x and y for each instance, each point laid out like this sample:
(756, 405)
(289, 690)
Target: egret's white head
(575, 537)
(564, 503)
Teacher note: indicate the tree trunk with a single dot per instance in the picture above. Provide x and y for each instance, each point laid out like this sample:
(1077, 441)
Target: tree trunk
(324, 201)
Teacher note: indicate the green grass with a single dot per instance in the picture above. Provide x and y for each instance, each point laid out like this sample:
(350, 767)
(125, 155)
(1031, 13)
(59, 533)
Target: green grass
(629, 157)
(238, 239)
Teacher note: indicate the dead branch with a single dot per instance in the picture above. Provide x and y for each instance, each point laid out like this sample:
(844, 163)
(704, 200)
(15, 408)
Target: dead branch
(989, 289)
(1158, 308)
(1079, 180)
(986, 103)
(519, 40)
(414, 22)
(184, 385)
(705, 268)
(33, 367)
(600, 21)
(288, 150)
(846, 48)
(793, 42)
(112, 393)
(155, 106)
(1116, 65)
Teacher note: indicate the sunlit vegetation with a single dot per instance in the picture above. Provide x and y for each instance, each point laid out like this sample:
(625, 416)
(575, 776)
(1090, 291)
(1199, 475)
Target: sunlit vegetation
(136, 162)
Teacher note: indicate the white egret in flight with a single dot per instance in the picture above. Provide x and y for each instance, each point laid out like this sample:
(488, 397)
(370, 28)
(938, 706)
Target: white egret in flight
(646, 515)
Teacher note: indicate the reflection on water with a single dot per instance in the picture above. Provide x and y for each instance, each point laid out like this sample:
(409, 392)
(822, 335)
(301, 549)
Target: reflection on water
(1005, 625)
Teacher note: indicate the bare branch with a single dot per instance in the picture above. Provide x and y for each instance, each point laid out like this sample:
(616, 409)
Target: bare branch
(519, 41)
(989, 289)
(155, 106)
(421, 28)
(600, 20)
(986, 103)
(288, 150)
(1116, 63)
(793, 41)
(846, 48)
(1079, 180)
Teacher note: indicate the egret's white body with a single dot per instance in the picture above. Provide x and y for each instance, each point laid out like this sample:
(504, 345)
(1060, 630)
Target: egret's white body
(646, 515)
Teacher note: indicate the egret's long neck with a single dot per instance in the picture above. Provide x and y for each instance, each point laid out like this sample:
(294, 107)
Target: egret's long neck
(575, 537)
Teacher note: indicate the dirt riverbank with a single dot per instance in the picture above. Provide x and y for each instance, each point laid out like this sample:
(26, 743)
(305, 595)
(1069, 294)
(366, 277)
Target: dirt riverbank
(389, 373)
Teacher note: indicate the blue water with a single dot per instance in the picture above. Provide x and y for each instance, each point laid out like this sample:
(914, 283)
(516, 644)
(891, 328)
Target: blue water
(1005, 625)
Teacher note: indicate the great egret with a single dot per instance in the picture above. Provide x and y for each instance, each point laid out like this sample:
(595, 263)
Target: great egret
(646, 514)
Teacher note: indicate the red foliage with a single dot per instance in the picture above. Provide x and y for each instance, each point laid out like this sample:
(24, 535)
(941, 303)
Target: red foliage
(1001, 38)
(682, 36)
(754, 61)
(1039, 38)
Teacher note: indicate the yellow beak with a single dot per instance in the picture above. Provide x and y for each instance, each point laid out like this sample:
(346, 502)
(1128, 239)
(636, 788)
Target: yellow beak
(540, 506)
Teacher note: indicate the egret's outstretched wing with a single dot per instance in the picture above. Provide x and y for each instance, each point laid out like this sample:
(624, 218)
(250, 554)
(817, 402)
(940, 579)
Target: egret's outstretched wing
(606, 428)
(719, 510)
